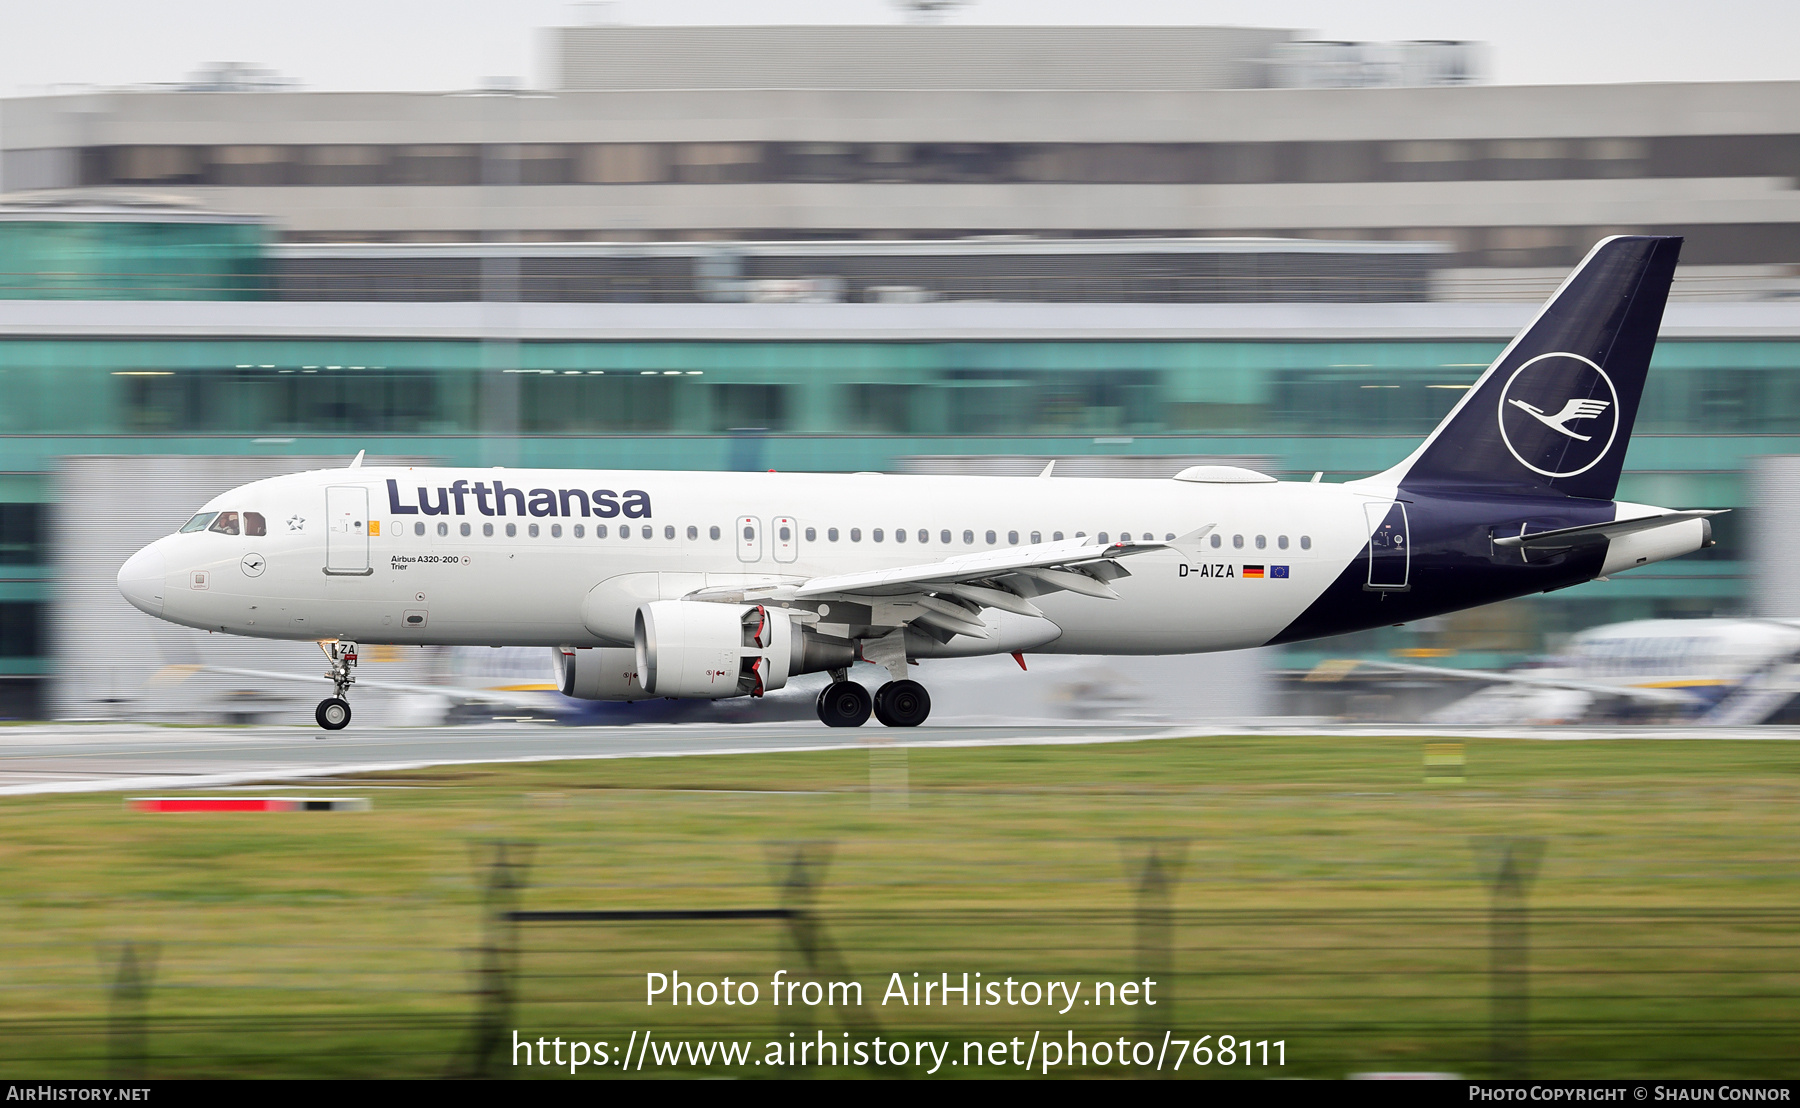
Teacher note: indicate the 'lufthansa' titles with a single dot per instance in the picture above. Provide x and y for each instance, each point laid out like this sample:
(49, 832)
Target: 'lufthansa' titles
(494, 501)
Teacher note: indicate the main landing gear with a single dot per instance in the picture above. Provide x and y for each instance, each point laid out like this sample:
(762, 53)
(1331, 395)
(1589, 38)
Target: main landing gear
(333, 712)
(845, 703)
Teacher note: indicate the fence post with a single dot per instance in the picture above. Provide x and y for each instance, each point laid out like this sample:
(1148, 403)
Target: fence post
(497, 965)
(127, 1021)
(1510, 865)
(1155, 867)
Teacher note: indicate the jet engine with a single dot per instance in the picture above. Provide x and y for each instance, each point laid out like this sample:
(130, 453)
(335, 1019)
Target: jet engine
(690, 648)
(599, 673)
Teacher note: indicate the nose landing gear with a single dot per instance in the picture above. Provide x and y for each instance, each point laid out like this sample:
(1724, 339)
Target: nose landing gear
(333, 713)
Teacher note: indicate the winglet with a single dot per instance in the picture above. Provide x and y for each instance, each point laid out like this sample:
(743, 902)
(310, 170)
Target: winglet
(356, 462)
(1188, 545)
(1048, 467)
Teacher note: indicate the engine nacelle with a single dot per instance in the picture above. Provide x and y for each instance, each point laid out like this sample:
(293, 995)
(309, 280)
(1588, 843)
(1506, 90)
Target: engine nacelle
(689, 648)
(599, 673)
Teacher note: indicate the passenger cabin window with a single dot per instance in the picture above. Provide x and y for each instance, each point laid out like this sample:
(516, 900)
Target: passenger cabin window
(198, 523)
(1261, 542)
(600, 530)
(990, 538)
(418, 528)
(556, 530)
(856, 534)
(1281, 541)
(875, 534)
(647, 532)
(694, 533)
(1037, 537)
(512, 530)
(464, 530)
(1306, 542)
(443, 530)
(1237, 542)
(669, 531)
(1056, 536)
(831, 533)
(225, 524)
(811, 534)
(944, 537)
(1216, 541)
(713, 533)
(899, 534)
(1012, 537)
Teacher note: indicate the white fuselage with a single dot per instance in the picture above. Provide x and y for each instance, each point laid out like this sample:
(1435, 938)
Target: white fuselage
(398, 576)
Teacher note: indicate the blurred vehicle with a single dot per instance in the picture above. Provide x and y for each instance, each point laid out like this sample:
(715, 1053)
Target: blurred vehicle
(1706, 671)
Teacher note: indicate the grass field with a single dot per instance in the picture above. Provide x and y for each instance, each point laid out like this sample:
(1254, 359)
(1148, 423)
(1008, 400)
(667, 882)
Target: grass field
(1326, 898)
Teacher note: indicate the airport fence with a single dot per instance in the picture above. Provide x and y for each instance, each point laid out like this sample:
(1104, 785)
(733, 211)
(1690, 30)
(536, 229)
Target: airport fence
(1503, 989)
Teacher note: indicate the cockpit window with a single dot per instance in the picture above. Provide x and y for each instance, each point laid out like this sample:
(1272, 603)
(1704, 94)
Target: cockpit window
(254, 524)
(198, 523)
(226, 524)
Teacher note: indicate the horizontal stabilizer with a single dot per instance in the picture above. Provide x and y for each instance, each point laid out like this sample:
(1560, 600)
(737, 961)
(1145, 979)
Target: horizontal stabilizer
(1565, 537)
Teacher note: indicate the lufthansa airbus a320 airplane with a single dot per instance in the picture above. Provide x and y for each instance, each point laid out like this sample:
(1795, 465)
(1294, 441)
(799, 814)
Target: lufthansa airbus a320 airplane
(712, 585)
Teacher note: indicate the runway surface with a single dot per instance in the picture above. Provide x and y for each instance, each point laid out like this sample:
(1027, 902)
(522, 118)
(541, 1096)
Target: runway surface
(89, 757)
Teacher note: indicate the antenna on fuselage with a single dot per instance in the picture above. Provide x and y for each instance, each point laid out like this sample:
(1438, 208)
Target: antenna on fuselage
(356, 462)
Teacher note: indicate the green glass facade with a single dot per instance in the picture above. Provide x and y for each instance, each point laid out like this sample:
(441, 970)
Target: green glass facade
(114, 259)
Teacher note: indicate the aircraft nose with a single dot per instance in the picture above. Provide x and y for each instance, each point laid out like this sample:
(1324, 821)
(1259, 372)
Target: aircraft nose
(141, 580)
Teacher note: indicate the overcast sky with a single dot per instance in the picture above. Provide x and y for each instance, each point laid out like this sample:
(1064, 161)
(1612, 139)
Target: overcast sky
(453, 44)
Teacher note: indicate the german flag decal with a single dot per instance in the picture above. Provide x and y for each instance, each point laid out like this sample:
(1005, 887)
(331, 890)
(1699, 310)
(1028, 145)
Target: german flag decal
(1252, 572)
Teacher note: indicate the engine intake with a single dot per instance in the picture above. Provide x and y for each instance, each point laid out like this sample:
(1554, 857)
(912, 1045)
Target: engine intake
(689, 648)
(599, 673)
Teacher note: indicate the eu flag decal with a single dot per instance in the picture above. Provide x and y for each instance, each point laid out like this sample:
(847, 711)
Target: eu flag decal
(1251, 573)
(1279, 572)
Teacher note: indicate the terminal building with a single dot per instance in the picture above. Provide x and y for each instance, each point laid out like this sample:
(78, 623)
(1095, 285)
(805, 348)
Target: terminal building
(915, 251)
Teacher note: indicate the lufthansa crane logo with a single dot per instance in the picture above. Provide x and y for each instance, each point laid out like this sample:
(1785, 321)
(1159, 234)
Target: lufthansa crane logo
(1559, 414)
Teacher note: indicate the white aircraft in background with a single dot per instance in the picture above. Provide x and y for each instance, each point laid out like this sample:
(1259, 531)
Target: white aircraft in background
(718, 585)
(1706, 671)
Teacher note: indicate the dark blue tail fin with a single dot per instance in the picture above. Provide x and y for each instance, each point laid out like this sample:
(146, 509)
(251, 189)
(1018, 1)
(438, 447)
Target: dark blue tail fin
(1555, 410)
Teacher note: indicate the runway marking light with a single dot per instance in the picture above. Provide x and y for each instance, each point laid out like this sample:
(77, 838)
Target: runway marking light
(249, 804)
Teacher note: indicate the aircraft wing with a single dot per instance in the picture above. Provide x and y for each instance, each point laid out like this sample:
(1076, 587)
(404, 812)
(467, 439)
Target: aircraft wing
(1336, 668)
(1097, 561)
(947, 596)
(1564, 537)
(534, 700)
